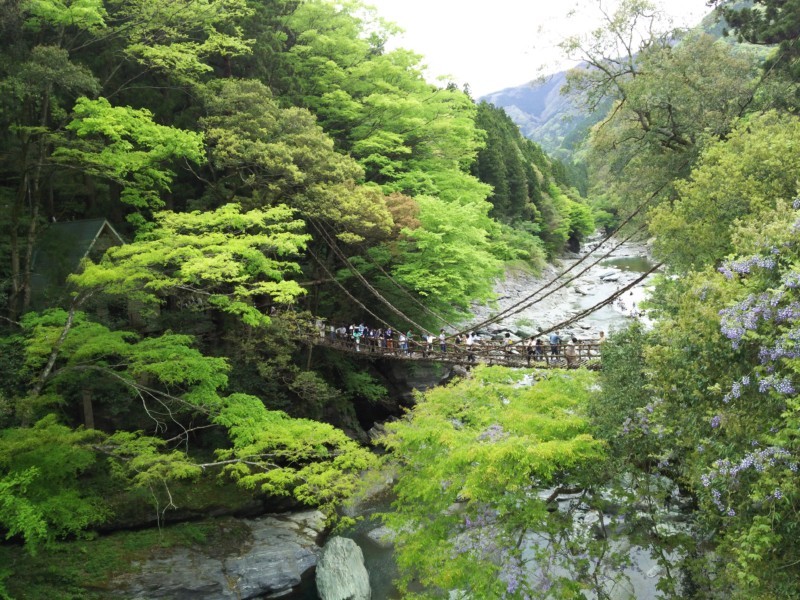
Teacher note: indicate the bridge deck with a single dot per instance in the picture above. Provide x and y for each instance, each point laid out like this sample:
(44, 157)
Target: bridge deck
(587, 353)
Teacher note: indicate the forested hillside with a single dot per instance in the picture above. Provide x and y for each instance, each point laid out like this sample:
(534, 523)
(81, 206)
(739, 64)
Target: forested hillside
(184, 186)
(188, 188)
(696, 148)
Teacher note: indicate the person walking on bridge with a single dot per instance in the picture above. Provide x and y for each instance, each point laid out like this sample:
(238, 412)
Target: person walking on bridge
(428, 343)
(530, 348)
(470, 343)
(555, 344)
(508, 344)
(571, 353)
(389, 336)
(442, 341)
(538, 351)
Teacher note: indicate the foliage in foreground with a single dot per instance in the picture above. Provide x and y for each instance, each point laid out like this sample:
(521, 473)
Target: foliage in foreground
(473, 460)
(155, 397)
(709, 398)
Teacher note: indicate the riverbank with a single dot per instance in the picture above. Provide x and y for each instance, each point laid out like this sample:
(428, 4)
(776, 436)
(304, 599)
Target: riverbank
(553, 306)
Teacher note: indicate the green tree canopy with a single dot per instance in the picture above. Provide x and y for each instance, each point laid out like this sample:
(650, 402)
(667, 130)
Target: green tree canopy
(744, 174)
(471, 459)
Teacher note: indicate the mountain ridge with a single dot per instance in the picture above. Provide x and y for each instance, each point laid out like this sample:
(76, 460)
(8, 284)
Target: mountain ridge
(552, 120)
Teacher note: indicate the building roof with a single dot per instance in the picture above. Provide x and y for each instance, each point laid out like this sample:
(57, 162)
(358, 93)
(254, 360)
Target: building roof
(59, 252)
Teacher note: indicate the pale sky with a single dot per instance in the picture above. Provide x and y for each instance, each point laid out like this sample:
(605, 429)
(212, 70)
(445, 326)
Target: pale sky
(497, 44)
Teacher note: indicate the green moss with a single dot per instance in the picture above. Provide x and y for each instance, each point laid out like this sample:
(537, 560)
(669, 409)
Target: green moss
(208, 494)
(84, 569)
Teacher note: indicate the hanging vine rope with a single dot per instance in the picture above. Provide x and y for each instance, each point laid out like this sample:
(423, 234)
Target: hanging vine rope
(529, 300)
(602, 303)
(508, 311)
(407, 293)
(345, 290)
(515, 308)
(333, 246)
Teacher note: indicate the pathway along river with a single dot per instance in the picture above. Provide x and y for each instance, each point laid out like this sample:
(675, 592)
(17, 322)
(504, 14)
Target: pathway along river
(622, 267)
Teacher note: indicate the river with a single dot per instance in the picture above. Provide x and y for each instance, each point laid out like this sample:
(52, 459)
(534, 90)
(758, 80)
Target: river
(600, 281)
(623, 266)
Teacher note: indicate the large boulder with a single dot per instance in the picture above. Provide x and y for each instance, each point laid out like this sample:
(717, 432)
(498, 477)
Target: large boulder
(268, 563)
(383, 537)
(341, 574)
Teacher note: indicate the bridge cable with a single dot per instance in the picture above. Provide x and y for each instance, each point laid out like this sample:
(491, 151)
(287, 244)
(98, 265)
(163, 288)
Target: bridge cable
(507, 311)
(407, 293)
(602, 303)
(504, 312)
(344, 289)
(529, 300)
(630, 217)
(332, 244)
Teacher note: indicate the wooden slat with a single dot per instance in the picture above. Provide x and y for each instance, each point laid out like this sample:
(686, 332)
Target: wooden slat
(483, 353)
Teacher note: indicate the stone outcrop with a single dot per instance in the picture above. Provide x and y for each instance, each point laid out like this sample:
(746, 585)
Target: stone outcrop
(383, 537)
(341, 574)
(272, 561)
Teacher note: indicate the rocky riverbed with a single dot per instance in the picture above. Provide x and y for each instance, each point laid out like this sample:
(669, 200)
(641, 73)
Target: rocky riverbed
(621, 267)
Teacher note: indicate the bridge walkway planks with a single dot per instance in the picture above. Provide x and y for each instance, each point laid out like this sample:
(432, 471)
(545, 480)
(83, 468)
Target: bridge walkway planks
(588, 353)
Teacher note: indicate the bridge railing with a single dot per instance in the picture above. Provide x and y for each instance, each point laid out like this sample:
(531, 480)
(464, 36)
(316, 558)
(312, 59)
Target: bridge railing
(484, 351)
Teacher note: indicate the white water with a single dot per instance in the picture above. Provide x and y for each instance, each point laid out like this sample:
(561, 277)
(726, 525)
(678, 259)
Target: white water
(550, 308)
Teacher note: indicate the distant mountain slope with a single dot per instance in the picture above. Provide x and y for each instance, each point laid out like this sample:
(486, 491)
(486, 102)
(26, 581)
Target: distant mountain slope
(550, 119)
(538, 109)
(544, 115)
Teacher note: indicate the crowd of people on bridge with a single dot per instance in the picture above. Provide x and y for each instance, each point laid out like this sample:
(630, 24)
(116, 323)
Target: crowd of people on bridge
(362, 338)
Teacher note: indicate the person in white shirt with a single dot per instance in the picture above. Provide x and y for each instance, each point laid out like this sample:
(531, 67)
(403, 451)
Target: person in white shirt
(471, 338)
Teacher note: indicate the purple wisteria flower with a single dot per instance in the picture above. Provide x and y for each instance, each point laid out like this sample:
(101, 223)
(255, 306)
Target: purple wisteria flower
(782, 385)
(744, 266)
(727, 473)
(493, 433)
(736, 389)
(791, 280)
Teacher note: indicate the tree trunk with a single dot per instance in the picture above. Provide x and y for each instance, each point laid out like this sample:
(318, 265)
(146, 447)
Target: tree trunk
(88, 410)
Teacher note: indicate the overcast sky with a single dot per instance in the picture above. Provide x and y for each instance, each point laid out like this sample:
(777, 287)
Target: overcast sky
(494, 44)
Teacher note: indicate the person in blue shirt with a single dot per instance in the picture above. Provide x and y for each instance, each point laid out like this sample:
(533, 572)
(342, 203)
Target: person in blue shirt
(555, 343)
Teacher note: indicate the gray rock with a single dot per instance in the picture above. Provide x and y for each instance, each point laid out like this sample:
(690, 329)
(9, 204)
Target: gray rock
(341, 574)
(279, 550)
(620, 589)
(460, 371)
(378, 484)
(382, 536)
(376, 432)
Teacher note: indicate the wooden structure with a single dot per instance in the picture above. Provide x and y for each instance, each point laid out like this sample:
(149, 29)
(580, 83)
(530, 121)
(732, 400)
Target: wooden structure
(587, 352)
(59, 252)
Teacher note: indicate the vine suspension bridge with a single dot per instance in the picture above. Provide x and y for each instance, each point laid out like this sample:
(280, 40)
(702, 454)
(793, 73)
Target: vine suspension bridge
(454, 349)
(586, 352)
